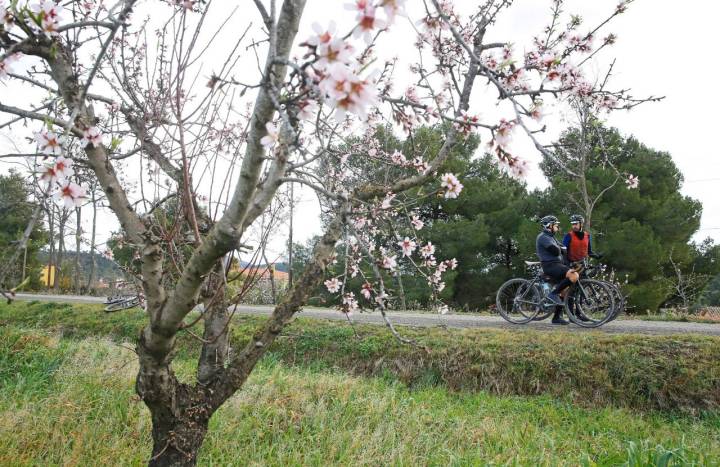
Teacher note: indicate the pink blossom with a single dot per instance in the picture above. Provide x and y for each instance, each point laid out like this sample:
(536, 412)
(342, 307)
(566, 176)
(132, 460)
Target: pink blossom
(393, 8)
(349, 303)
(333, 285)
(398, 158)
(503, 133)
(71, 194)
(50, 13)
(451, 184)
(389, 262)
(368, 22)
(608, 101)
(91, 136)
(417, 223)
(387, 202)
(49, 142)
(380, 299)
(348, 92)
(63, 168)
(420, 165)
(336, 51)
(272, 136)
(537, 112)
(428, 250)
(519, 168)
(411, 95)
(366, 290)
(6, 15)
(632, 181)
(48, 174)
(491, 62)
(322, 36)
(451, 263)
(408, 246)
(307, 109)
(467, 123)
(435, 278)
(6, 65)
(187, 4)
(360, 222)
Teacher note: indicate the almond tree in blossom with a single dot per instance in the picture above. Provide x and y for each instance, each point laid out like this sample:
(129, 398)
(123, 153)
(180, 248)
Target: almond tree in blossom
(125, 94)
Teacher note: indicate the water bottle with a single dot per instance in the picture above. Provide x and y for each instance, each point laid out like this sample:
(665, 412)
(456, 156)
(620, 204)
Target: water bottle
(546, 291)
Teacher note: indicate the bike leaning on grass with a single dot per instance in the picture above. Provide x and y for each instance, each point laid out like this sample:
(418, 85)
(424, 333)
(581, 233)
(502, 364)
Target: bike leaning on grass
(124, 300)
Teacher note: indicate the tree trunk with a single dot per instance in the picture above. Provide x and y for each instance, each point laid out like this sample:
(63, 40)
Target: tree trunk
(93, 264)
(180, 413)
(176, 441)
(215, 348)
(401, 291)
(78, 238)
(51, 255)
(61, 248)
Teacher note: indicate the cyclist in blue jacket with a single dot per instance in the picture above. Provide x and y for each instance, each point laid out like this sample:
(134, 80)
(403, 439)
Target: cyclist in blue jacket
(550, 252)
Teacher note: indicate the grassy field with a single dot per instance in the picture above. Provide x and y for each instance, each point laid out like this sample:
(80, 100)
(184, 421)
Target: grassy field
(66, 397)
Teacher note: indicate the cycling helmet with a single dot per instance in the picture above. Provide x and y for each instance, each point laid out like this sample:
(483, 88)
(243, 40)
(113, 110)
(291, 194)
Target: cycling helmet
(577, 218)
(548, 221)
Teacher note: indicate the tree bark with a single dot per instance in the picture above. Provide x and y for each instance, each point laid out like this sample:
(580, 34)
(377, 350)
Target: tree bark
(51, 255)
(93, 264)
(78, 238)
(215, 336)
(179, 412)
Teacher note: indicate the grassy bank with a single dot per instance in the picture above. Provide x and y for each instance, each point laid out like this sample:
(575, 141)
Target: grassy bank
(671, 373)
(71, 401)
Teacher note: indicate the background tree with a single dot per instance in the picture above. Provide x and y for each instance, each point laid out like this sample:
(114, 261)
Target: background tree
(16, 207)
(636, 228)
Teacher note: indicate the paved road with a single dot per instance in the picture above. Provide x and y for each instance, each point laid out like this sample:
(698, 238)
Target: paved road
(627, 326)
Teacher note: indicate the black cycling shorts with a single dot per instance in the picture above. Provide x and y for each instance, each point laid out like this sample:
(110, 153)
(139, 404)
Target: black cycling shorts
(555, 270)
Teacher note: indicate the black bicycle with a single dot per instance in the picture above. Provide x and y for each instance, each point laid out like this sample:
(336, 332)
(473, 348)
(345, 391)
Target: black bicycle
(588, 303)
(123, 301)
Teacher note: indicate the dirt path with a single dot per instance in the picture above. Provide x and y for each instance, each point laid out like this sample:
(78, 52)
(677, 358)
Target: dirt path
(627, 326)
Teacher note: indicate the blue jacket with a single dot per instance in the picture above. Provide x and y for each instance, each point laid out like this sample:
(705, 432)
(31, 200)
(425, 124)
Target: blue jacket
(547, 248)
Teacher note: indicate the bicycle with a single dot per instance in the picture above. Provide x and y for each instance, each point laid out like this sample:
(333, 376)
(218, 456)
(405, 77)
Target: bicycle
(588, 303)
(121, 301)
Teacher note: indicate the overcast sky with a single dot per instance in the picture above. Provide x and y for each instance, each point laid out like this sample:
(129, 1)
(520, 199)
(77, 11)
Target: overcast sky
(664, 48)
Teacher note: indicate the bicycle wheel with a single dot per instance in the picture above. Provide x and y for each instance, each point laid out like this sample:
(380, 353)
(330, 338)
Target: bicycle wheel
(518, 301)
(546, 309)
(590, 303)
(619, 299)
(122, 304)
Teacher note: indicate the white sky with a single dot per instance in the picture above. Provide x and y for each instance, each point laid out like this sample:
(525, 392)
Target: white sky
(663, 49)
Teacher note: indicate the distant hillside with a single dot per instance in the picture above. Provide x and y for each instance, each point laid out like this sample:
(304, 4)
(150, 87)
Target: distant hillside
(104, 268)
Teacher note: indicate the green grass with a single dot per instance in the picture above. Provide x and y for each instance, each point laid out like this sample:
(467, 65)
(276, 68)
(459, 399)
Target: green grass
(678, 373)
(88, 414)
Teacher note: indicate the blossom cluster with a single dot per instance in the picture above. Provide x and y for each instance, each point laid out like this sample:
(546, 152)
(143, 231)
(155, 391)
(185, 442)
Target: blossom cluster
(336, 72)
(48, 13)
(57, 173)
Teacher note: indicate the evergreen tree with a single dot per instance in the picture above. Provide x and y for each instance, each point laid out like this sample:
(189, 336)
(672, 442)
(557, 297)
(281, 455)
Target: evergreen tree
(16, 208)
(637, 229)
